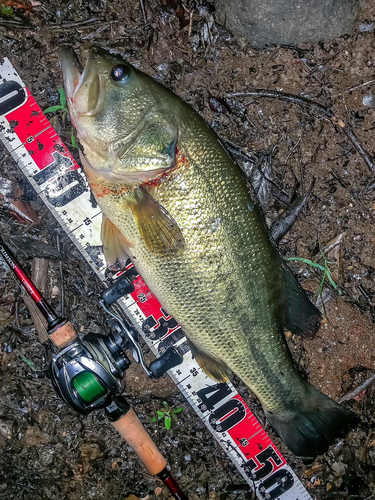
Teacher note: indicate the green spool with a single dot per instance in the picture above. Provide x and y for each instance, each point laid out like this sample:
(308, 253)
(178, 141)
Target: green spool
(88, 386)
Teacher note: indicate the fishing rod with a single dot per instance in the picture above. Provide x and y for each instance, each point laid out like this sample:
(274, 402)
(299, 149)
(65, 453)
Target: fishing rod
(87, 374)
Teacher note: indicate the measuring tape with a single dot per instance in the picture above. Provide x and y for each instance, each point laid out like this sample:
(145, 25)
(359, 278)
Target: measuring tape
(62, 185)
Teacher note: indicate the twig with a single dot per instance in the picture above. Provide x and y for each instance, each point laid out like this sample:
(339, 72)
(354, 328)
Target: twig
(77, 24)
(16, 314)
(61, 278)
(190, 12)
(345, 185)
(29, 228)
(370, 82)
(319, 109)
(39, 273)
(157, 423)
(143, 11)
(352, 394)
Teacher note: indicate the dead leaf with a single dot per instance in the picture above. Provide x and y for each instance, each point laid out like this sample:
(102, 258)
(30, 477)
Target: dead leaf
(89, 453)
(133, 497)
(36, 437)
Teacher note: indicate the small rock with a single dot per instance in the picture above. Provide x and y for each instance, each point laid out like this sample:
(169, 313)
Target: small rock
(369, 101)
(366, 26)
(158, 491)
(5, 430)
(338, 469)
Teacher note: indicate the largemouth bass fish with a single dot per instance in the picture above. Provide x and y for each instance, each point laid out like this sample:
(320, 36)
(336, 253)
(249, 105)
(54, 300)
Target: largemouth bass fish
(178, 206)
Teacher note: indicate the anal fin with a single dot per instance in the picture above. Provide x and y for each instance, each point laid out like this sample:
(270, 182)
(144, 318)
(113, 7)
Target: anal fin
(116, 247)
(301, 316)
(212, 367)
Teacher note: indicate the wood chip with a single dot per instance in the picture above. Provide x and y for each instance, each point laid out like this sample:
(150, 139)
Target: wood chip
(314, 469)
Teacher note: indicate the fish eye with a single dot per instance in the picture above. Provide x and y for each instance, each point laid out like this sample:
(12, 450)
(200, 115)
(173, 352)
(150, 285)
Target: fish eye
(121, 73)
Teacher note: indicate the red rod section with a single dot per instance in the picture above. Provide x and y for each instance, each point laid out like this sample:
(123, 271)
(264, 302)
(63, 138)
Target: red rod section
(52, 319)
(171, 484)
(15, 267)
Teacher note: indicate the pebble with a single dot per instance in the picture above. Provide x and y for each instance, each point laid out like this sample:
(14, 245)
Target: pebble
(338, 468)
(5, 430)
(187, 458)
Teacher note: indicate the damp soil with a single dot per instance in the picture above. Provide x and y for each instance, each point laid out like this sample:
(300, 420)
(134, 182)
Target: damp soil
(48, 451)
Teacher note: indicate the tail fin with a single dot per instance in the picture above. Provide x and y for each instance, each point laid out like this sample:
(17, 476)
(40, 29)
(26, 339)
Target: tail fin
(312, 429)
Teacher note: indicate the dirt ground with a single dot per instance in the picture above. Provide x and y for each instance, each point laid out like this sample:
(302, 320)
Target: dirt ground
(47, 451)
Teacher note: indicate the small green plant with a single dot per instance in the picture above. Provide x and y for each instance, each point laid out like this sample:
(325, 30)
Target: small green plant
(6, 10)
(169, 414)
(30, 363)
(63, 107)
(326, 271)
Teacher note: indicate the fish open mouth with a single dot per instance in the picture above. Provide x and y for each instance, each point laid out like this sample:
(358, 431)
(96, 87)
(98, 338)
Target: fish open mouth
(85, 87)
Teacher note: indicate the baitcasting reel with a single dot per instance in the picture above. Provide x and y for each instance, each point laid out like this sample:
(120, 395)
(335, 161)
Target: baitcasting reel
(88, 373)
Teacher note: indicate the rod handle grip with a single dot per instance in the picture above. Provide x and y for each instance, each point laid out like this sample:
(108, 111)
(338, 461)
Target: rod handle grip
(64, 335)
(132, 430)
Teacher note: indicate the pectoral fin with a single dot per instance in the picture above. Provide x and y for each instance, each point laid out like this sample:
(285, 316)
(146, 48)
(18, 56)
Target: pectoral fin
(158, 229)
(212, 367)
(116, 247)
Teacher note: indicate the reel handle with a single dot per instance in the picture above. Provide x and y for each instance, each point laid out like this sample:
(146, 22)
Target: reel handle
(165, 362)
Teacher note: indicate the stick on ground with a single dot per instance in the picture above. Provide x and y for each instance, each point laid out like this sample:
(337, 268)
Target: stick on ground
(352, 394)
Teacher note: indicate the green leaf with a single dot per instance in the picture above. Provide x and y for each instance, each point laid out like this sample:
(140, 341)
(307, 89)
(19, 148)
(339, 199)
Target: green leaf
(331, 280)
(51, 109)
(160, 414)
(153, 419)
(30, 363)
(306, 261)
(166, 405)
(62, 94)
(6, 10)
(178, 410)
(167, 422)
(73, 139)
(174, 418)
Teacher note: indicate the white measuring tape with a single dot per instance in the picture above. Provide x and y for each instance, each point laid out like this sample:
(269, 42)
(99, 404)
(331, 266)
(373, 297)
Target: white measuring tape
(61, 183)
